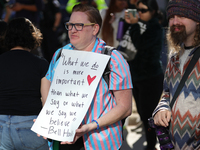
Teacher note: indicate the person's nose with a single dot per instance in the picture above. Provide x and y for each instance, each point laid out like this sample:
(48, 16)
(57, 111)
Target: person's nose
(176, 20)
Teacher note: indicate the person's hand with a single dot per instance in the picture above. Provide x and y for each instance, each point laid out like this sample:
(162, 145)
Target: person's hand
(17, 7)
(129, 18)
(162, 118)
(112, 19)
(79, 132)
(38, 134)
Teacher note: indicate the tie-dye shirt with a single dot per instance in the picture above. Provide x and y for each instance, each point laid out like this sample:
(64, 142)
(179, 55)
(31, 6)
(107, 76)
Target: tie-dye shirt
(109, 137)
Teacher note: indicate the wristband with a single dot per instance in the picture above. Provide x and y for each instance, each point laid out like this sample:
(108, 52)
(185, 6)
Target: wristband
(96, 123)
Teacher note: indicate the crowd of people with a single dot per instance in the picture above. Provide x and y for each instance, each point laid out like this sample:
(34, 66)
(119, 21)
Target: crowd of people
(30, 49)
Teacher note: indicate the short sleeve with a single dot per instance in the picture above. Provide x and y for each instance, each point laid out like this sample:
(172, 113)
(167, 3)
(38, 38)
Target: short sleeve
(120, 77)
(54, 62)
(52, 66)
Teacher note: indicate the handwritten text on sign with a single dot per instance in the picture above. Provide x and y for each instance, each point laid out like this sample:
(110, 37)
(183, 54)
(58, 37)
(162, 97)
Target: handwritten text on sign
(72, 89)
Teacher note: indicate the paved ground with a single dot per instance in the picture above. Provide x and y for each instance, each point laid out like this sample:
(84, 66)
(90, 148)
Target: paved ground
(133, 133)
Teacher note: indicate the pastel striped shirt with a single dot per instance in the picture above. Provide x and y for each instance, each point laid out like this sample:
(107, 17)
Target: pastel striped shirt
(109, 137)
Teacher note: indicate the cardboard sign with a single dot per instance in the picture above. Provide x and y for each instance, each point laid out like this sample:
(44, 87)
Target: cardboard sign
(72, 89)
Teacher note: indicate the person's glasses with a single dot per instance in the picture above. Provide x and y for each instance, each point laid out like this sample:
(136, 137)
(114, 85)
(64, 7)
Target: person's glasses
(78, 26)
(142, 10)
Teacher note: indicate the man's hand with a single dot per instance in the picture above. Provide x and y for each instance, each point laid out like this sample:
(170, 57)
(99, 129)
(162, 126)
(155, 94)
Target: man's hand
(162, 118)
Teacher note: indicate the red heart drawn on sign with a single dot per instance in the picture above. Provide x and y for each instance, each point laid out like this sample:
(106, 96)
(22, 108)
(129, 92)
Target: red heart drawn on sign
(89, 79)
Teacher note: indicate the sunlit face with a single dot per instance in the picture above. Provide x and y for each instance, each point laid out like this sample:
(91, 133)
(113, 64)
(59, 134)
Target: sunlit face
(145, 16)
(81, 39)
(180, 24)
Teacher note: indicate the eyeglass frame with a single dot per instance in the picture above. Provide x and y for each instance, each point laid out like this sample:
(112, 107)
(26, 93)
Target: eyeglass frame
(142, 10)
(74, 25)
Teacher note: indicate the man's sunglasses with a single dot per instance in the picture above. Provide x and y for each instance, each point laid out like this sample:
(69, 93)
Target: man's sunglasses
(142, 10)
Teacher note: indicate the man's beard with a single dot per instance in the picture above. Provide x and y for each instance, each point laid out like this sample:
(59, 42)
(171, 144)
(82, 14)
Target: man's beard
(178, 37)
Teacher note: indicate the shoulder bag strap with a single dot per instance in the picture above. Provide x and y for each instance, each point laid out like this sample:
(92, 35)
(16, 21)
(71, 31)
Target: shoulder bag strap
(186, 74)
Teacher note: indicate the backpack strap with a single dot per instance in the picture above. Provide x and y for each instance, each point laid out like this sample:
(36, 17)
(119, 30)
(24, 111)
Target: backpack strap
(107, 50)
(59, 54)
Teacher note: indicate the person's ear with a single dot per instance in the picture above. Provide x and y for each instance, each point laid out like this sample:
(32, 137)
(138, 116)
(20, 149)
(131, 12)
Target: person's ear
(95, 29)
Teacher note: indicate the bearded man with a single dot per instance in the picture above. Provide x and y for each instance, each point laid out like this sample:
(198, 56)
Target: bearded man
(184, 39)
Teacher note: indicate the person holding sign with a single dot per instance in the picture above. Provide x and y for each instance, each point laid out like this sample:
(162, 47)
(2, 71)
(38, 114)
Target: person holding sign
(20, 87)
(101, 128)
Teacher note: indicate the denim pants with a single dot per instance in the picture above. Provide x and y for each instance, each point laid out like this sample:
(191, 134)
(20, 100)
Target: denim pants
(15, 134)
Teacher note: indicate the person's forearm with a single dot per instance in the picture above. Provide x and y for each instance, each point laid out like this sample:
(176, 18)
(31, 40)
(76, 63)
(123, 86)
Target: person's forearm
(114, 115)
(162, 105)
(119, 112)
(111, 117)
(8, 14)
(58, 17)
(29, 7)
(45, 86)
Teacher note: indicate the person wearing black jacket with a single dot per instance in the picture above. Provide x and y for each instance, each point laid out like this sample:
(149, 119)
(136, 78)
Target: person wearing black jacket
(146, 68)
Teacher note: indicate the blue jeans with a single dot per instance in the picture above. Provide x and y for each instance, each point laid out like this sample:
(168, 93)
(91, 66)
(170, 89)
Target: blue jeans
(15, 134)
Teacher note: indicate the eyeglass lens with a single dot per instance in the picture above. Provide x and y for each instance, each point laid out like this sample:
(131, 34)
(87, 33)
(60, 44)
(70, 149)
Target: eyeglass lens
(78, 26)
